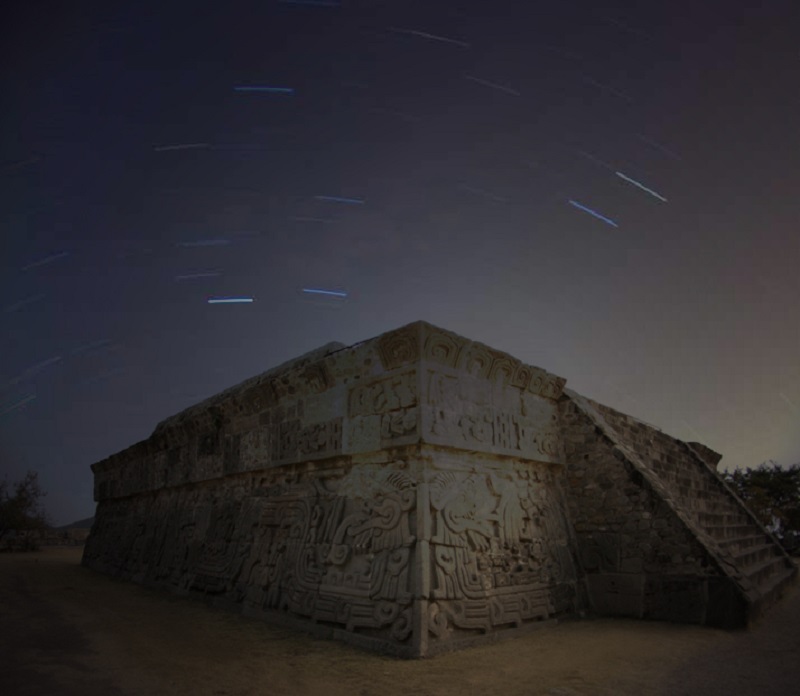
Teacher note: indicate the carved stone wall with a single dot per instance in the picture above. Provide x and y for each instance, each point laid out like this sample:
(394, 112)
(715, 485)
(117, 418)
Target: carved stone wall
(331, 545)
(401, 494)
(411, 555)
(416, 384)
(419, 492)
(498, 544)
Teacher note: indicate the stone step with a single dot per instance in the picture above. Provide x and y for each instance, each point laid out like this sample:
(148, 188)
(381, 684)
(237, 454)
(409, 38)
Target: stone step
(719, 505)
(727, 519)
(709, 503)
(721, 532)
(689, 473)
(735, 544)
(771, 589)
(675, 473)
(761, 573)
(755, 555)
(785, 573)
(705, 498)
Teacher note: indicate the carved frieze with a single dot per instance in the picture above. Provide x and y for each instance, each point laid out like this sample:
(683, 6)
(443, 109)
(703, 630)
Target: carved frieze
(544, 384)
(490, 535)
(384, 395)
(398, 424)
(500, 553)
(443, 348)
(317, 378)
(478, 360)
(331, 549)
(339, 559)
(521, 376)
(464, 414)
(294, 441)
(446, 616)
(320, 438)
(502, 370)
(399, 348)
(255, 448)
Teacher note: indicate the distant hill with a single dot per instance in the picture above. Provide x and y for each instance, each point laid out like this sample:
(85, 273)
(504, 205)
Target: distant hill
(80, 524)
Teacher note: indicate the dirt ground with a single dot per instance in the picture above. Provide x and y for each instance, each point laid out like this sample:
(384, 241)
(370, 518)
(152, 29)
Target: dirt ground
(68, 630)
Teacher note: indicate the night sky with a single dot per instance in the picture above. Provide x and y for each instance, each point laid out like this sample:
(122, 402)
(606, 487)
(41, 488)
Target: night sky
(608, 193)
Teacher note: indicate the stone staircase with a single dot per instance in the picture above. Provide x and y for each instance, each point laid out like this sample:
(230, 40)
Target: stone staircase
(751, 556)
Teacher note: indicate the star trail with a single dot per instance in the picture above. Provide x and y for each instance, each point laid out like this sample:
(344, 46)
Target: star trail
(331, 293)
(641, 186)
(492, 85)
(593, 213)
(187, 146)
(426, 35)
(340, 199)
(459, 163)
(268, 90)
(230, 300)
(46, 260)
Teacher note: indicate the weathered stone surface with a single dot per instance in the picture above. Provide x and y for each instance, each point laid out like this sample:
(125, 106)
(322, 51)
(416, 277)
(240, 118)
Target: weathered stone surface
(650, 508)
(418, 492)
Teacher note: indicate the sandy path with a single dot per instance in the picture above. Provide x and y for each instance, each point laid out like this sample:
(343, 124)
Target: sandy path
(67, 630)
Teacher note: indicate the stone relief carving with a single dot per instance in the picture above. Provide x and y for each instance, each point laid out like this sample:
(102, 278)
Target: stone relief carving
(317, 378)
(337, 556)
(292, 441)
(335, 542)
(477, 360)
(544, 384)
(475, 422)
(399, 424)
(522, 376)
(547, 443)
(446, 617)
(483, 362)
(506, 431)
(384, 395)
(398, 348)
(331, 548)
(320, 438)
(502, 370)
(496, 558)
(444, 400)
(443, 349)
(255, 447)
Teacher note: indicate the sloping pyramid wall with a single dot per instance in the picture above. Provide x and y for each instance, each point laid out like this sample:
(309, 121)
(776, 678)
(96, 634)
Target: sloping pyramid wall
(419, 492)
(660, 535)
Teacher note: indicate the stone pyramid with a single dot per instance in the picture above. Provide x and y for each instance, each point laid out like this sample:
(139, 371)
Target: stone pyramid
(420, 492)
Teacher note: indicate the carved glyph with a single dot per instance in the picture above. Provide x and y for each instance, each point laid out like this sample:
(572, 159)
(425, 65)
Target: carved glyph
(384, 395)
(482, 362)
(294, 441)
(500, 553)
(443, 349)
(467, 414)
(398, 348)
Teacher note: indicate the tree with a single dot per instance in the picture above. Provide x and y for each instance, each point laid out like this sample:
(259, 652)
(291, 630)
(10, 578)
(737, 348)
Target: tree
(21, 513)
(772, 492)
